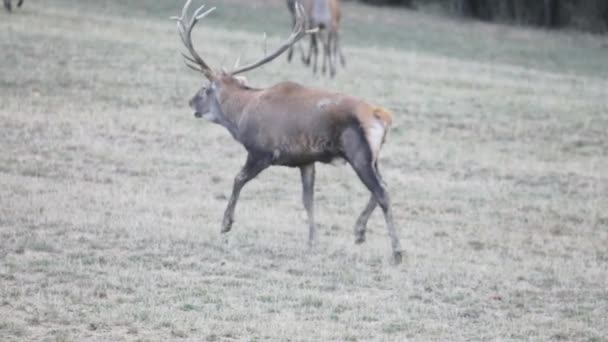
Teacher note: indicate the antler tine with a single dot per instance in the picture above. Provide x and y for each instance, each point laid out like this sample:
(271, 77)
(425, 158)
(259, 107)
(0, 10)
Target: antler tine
(193, 67)
(184, 28)
(298, 32)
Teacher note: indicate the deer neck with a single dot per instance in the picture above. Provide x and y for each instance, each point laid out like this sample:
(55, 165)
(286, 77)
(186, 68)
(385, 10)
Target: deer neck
(229, 106)
(219, 117)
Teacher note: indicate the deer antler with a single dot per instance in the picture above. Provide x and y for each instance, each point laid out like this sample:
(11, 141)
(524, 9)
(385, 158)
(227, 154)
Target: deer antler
(184, 28)
(298, 32)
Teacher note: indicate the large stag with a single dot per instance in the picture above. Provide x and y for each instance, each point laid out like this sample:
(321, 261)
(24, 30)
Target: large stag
(325, 15)
(292, 125)
(9, 7)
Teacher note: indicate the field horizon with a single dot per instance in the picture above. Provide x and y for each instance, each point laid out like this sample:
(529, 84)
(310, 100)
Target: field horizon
(112, 193)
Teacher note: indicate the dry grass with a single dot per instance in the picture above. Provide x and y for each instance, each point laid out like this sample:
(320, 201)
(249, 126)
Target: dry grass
(111, 193)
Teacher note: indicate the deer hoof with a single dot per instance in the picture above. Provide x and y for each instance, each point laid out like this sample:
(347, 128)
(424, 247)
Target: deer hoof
(226, 225)
(397, 257)
(359, 238)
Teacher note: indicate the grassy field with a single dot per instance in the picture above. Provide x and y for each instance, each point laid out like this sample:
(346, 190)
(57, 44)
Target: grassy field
(112, 194)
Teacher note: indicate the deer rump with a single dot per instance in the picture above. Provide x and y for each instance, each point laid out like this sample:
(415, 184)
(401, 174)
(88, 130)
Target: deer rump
(319, 126)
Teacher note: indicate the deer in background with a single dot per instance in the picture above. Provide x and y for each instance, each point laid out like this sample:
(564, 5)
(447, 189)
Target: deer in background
(325, 15)
(9, 7)
(291, 125)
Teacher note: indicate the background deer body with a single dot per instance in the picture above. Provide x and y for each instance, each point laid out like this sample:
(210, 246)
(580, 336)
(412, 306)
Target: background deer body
(292, 125)
(9, 7)
(325, 15)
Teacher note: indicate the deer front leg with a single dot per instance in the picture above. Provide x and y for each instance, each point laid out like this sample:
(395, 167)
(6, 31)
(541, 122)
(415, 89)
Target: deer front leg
(308, 188)
(7, 5)
(252, 168)
(360, 159)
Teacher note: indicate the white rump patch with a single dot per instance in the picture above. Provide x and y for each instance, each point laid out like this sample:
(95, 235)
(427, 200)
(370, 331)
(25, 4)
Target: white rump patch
(375, 135)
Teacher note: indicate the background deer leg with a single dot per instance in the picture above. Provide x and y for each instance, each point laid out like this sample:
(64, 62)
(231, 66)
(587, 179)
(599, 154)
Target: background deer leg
(306, 56)
(289, 54)
(308, 189)
(332, 53)
(293, 24)
(302, 52)
(252, 168)
(338, 49)
(359, 157)
(314, 51)
(327, 54)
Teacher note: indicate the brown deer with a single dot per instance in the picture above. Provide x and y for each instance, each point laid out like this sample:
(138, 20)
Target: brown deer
(292, 125)
(325, 15)
(9, 7)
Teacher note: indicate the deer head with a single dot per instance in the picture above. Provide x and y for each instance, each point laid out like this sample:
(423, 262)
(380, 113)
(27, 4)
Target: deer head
(205, 102)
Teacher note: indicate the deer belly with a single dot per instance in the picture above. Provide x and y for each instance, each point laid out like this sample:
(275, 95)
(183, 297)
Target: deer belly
(305, 150)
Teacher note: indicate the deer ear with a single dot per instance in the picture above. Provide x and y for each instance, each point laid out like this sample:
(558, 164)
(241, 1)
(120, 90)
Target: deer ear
(241, 79)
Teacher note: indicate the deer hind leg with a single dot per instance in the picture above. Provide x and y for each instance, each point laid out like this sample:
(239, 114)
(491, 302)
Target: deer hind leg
(7, 5)
(359, 156)
(361, 224)
(308, 184)
(250, 170)
(20, 3)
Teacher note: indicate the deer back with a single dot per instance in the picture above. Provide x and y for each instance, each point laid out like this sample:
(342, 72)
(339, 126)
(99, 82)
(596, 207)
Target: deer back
(299, 124)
